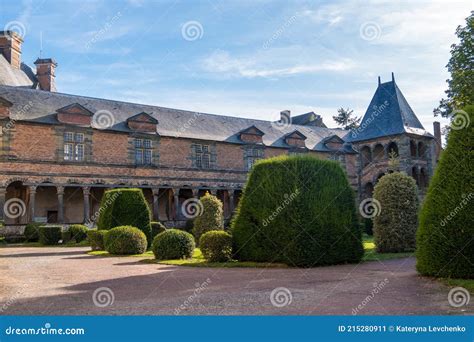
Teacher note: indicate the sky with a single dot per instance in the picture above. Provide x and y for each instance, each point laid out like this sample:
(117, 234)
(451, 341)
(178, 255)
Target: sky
(244, 58)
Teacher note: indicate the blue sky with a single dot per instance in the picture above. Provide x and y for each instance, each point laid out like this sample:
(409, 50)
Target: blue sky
(244, 58)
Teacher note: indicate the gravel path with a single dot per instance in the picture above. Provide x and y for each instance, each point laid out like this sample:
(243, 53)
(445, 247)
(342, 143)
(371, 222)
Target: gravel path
(62, 281)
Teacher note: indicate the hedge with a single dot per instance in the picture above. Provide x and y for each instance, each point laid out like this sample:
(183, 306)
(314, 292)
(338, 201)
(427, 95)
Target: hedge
(173, 244)
(122, 207)
(96, 239)
(211, 218)
(32, 231)
(157, 228)
(396, 223)
(50, 235)
(297, 210)
(216, 246)
(445, 244)
(125, 240)
(78, 232)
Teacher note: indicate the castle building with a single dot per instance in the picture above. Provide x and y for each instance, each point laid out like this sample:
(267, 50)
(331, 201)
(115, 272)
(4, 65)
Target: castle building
(60, 152)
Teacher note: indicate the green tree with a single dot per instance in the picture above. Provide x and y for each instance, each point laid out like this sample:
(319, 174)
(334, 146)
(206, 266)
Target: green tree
(211, 217)
(460, 91)
(346, 119)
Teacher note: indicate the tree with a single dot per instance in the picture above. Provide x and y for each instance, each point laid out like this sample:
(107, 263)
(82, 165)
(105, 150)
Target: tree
(460, 91)
(346, 119)
(211, 217)
(445, 244)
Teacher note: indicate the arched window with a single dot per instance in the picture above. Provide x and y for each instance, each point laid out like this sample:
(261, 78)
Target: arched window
(421, 149)
(392, 147)
(413, 149)
(423, 178)
(414, 174)
(366, 155)
(379, 152)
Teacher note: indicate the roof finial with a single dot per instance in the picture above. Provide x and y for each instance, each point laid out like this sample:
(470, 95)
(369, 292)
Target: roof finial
(393, 77)
(379, 80)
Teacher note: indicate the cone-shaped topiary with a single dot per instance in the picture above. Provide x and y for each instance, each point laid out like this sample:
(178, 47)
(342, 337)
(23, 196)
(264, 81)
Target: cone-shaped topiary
(122, 207)
(396, 223)
(297, 210)
(211, 216)
(445, 243)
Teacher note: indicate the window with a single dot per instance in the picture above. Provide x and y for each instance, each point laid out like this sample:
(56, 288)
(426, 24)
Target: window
(253, 154)
(143, 151)
(73, 146)
(202, 156)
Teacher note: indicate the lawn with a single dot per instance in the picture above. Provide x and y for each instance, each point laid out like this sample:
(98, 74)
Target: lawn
(372, 255)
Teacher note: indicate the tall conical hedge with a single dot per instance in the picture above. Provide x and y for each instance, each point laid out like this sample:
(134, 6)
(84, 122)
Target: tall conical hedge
(125, 207)
(445, 237)
(297, 210)
(396, 223)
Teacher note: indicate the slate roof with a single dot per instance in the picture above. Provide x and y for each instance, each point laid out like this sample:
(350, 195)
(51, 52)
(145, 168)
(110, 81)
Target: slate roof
(42, 106)
(388, 114)
(23, 77)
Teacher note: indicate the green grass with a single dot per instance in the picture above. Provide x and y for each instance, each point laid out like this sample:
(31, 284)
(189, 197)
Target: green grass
(372, 255)
(107, 254)
(468, 284)
(84, 243)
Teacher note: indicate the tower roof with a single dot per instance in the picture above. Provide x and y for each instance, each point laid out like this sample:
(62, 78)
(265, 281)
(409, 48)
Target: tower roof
(388, 114)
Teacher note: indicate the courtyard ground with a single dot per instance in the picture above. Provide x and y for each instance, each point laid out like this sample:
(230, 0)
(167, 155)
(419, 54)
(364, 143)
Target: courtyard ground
(60, 281)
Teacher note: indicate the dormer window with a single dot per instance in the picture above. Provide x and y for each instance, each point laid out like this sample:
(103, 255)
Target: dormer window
(73, 146)
(143, 151)
(251, 135)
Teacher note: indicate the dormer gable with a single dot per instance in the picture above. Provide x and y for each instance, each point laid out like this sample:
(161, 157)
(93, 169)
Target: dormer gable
(333, 142)
(5, 106)
(251, 135)
(74, 114)
(295, 139)
(142, 122)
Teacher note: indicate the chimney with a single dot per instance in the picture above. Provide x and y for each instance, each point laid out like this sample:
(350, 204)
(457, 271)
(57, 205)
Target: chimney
(437, 135)
(285, 116)
(10, 47)
(45, 73)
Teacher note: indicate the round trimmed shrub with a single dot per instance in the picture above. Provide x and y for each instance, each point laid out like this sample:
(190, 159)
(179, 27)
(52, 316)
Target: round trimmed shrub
(125, 240)
(173, 244)
(396, 223)
(211, 217)
(157, 228)
(123, 207)
(49, 235)
(78, 232)
(216, 246)
(96, 239)
(445, 244)
(32, 231)
(303, 214)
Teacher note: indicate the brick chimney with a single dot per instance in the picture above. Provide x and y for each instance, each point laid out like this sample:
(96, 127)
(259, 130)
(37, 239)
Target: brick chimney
(437, 135)
(10, 47)
(45, 73)
(285, 116)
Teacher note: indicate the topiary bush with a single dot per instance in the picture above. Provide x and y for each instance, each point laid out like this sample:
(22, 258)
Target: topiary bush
(49, 235)
(173, 244)
(121, 207)
(211, 217)
(396, 223)
(125, 240)
(157, 228)
(32, 231)
(303, 214)
(445, 244)
(96, 239)
(216, 246)
(78, 232)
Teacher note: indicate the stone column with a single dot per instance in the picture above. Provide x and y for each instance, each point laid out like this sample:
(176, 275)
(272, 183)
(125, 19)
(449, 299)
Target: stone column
(176, 203)
(86, 191)
(60, 191)
(32, 193)
(156, 208)
(3, 194)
